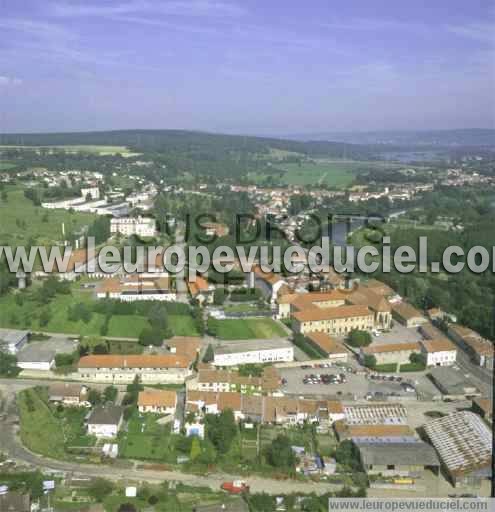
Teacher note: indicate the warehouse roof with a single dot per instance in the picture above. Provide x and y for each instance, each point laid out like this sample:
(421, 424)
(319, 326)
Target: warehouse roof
(415, 453)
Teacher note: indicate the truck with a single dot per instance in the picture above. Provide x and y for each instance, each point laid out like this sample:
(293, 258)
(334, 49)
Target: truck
(235, 487)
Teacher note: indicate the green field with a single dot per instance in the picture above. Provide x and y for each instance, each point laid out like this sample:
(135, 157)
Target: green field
(22, 221)
(93, 149)
(332, 173)
(15, 313)
(246, 328)
(5, 166)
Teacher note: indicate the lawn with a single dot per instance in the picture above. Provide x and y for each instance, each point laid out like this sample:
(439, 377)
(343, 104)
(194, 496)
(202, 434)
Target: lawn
(25, 314)
(22, 221)
(146, 439)
(246, 328)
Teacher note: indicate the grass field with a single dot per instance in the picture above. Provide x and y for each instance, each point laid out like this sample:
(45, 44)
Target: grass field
(332, 173)
(40, 430)
(22, 221)
(246, 328)
(5, 166)
(93, 149)
(146, 439)
(25, 314)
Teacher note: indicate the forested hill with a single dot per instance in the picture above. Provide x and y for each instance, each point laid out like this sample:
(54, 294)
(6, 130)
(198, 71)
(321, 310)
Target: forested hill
(182, 141)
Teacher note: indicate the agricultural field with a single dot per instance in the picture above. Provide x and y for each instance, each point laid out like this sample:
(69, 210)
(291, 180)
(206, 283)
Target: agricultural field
(23, 222)
(91, 149)
(246, 328)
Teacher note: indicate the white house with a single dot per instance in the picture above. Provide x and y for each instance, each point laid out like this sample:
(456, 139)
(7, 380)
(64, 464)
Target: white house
(253, 352)
(140, 226)
(105, 421)
(439, 352)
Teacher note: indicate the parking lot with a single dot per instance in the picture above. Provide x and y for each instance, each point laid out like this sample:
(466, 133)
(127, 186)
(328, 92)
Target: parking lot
(397, 334)
(309, 382)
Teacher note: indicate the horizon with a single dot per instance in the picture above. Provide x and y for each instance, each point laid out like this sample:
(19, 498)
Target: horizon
(246, 67)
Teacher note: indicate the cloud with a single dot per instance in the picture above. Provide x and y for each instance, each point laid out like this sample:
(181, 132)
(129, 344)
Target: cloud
(193, 8)
(484, 32)
(9, 81)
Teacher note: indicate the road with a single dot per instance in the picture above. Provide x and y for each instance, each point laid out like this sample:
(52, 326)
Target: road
(12, 447)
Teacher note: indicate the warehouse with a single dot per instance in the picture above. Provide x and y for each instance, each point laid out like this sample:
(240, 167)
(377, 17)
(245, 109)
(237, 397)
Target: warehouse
(232, 353)
(409, 458)
(464, 444)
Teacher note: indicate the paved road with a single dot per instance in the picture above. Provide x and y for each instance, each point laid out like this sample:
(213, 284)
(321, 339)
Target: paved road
(13, 448)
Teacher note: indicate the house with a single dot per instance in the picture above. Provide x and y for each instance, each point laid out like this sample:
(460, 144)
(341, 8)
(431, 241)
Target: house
(392, 353)
(123, 369)
(127, 226)
(464, 444)
(131, 288)
(36, 356)
(408, 315)
(268, 282)
(15, 502)
(157, 401)
(69, 394)
(201, 290)
(406, 459)
(232, 353)
(439, 352)
(333, 320)
(12, 340)
(211, 379)
(105, 421)
(480, 350)
(328, 346)
(187, 346)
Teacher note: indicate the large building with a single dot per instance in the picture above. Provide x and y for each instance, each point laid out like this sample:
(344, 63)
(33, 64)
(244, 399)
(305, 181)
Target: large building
(439, 352)
(328, 346)
(406, 459)
(391, 353)
(122, 369)
(128, 226)
(480, 350)
(136, 287)
(464, 444)
(232, 353)
(334, 320)
(408, 315)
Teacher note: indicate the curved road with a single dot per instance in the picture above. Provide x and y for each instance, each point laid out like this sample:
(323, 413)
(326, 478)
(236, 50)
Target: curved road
(11, 446)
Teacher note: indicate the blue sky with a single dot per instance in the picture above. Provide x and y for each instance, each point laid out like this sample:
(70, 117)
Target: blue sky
(247, 66)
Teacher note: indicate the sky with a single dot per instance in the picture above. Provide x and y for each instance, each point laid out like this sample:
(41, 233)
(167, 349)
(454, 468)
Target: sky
(268, 67)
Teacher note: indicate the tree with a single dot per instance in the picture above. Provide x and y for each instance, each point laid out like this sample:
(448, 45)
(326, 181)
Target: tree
(110, 394)
(100, 488)
(347, 454)
(418, 359)
(8, 365)
(279, 454)
(359, 338)
(45, 317)
(127, 507)
(369, 361)
(195, 449)
(150, 337)
(221, 429)
(101, 348)
(94, 397)
(219, 296)
(209, 354)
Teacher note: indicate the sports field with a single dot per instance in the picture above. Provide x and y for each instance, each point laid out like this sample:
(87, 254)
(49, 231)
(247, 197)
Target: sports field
(246, 328)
